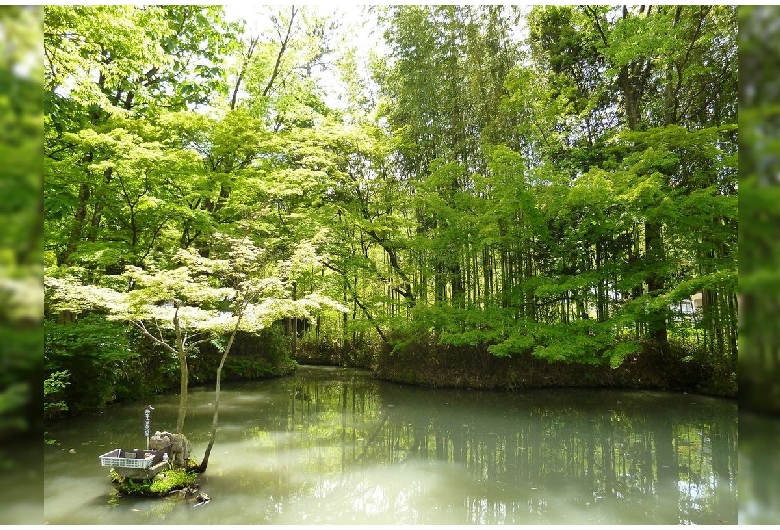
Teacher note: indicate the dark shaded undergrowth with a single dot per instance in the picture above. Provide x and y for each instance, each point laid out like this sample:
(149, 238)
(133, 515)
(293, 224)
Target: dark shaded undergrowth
(429, 364)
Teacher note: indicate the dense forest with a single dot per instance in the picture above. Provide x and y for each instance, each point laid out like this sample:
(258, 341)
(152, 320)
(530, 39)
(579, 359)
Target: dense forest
(21, 240)
(478, 196)
(759, 259)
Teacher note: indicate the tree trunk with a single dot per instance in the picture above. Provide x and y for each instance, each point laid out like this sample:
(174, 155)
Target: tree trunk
(183, 371)
(282, 49)
(77, 228)
(655, 282)
(215, 420)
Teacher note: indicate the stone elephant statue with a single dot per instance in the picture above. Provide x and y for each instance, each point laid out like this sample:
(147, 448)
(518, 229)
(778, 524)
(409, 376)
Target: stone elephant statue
(177, 446)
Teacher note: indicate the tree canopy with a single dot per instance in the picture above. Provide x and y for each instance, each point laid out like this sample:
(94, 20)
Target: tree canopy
(557, 182)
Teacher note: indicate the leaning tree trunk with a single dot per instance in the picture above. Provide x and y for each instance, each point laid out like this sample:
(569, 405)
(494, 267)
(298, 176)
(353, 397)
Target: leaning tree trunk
(184, 372)
(215, 420)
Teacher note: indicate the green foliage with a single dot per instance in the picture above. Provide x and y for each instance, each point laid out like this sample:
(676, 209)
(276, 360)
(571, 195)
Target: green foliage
(14, 397)
(98, 354)
(21, 241)
(162, 484)
(171, 480)
(265, 353)
(759, 254)
(53, 387)
(560, 195)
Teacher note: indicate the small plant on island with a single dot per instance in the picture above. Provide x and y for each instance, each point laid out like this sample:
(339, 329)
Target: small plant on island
(165, 483)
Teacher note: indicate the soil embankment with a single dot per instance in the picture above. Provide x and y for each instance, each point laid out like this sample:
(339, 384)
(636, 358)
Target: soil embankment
(476, 368)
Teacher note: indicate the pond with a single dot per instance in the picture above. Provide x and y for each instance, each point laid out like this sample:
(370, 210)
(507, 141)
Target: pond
(335, 446)
(759, 465)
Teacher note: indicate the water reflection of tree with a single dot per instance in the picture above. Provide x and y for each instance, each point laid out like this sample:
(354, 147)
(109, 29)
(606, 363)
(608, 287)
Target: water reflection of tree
(524, 455)
(630, 453)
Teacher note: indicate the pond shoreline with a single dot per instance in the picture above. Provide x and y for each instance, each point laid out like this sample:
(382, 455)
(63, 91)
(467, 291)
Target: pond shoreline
(477, 369)
(436, 366)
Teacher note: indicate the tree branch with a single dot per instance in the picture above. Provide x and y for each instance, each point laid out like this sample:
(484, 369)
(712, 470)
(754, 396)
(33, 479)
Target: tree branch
(592, 12)
(282, 49)
(358, 302)
(247, 57)
(159, 341)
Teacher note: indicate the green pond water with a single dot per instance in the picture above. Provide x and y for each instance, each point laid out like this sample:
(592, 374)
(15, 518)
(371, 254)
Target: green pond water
(335, 446)
(759, 466)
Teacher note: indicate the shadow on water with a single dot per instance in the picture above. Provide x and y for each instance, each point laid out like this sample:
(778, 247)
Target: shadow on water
(333, 445)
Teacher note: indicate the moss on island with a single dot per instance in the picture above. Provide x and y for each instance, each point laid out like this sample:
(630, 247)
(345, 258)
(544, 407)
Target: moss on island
(161, 485)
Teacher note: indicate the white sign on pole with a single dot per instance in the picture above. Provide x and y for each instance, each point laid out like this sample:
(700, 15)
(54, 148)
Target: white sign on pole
(147, 423)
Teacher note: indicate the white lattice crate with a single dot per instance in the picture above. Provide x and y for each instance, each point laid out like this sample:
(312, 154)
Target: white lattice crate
(120, 458)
